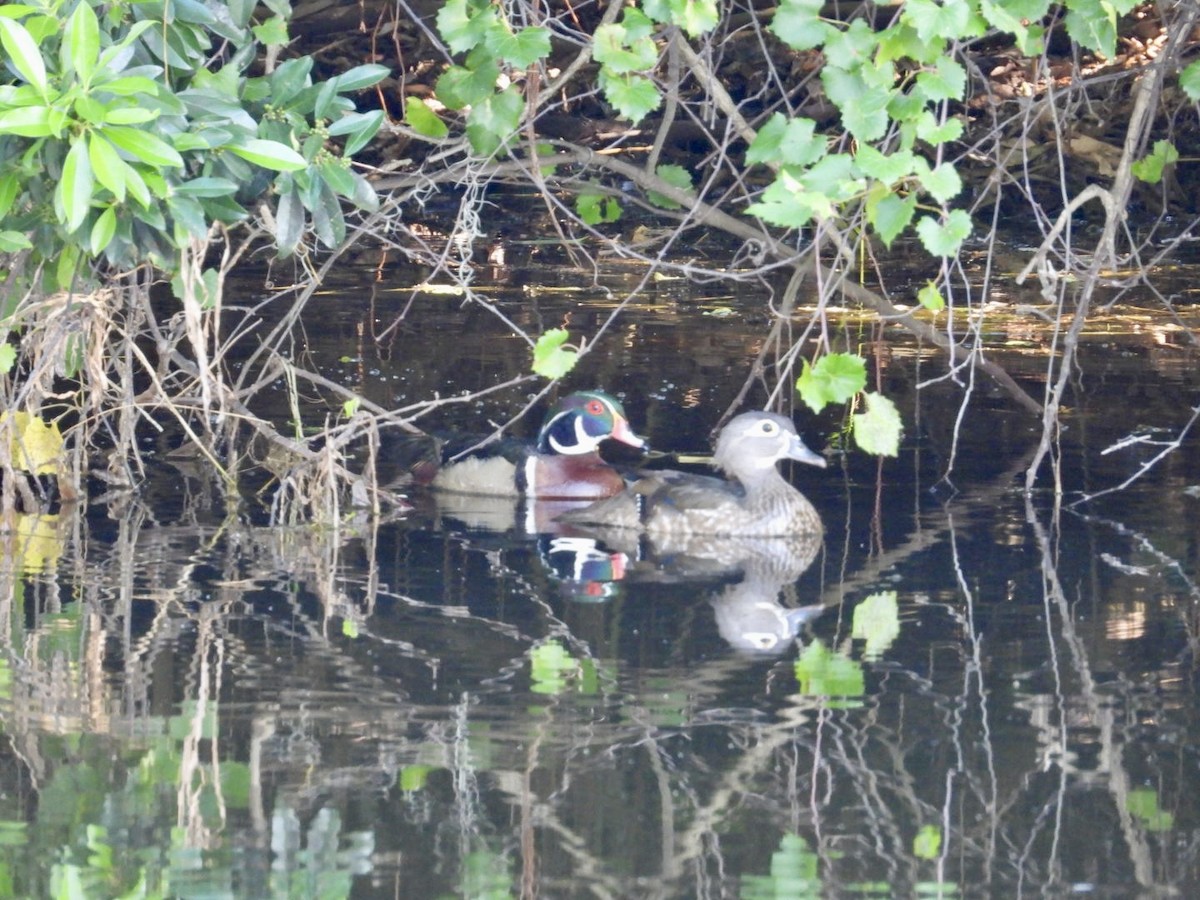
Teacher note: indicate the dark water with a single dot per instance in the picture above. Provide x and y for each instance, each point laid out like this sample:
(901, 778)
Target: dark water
(982, 694)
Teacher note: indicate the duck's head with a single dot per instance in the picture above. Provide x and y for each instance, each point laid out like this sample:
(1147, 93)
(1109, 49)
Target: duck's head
(753, 442)
(580, 422)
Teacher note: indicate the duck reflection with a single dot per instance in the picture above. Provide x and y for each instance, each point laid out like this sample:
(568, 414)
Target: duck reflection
(755, 575)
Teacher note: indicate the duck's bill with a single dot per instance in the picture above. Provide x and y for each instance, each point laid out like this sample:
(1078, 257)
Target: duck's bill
(800, 453)
(623, 433)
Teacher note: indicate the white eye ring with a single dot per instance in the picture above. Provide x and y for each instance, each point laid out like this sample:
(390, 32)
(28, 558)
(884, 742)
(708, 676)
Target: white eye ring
(768, 427)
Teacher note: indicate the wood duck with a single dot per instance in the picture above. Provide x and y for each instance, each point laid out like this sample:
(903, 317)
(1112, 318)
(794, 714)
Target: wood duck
(757, 502)
(563, 465)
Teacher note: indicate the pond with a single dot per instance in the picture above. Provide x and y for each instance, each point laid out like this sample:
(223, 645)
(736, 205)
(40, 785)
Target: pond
(959, 691)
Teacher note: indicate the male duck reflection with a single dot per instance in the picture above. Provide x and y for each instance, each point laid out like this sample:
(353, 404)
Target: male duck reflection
(563, 465)
(758, 502)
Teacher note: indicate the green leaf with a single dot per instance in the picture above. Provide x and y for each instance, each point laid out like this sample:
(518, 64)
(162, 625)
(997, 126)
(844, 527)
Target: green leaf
(694, 16)
(143, 146)
(1189, 80)
(270, 155)
(935, 132)
(877, 622)
(943, 183)
(821, 672)
(74, 191)
(676, 176)
(459, 87)
(931, 298)
(13, 242)
(633, 95)
(889, 213)
(936, 22)
(107, 166)
(103, 230)
(798, 24)
(1150, 169)
(360, 77)
(595, 209)
(493, 122)
(207, 187)
(550, 358)
(835, 378)
(863, 104)
(878, 429)
(360, 127)
(129, 115)
(28, 121)
(852, 47)
(464, 25)
(622, 48)
(1093, 23)
(521, 49)
(928, 842)
(23, 53)
(273, 32)
(786, 142)
(80, 47)
(423, 120)
(789, 203)
(944, 238)
(947, 80)
(887, 169)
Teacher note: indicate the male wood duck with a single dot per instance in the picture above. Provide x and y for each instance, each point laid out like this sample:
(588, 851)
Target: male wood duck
(563, 465)
(757, 502)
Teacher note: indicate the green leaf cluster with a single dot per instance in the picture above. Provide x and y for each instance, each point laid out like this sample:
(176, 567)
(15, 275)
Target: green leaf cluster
(551, 358)
(840, 378)
(126, 132)
(478, 28)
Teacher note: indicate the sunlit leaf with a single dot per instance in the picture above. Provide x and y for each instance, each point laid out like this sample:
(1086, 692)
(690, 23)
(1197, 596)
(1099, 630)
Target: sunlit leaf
(943, 183)
(625, 47)
(633, 95)
(821, 672)
(273, 32)
(936, 21)
(423, 120)
(889, 213)
(36, 446)
(595, 209)
(550, 358)
(81, 42)
(23, 53)
(74, 190)
(944, 238)
(103, 230)
(947, 80)
(835, 378)
(784, 141)
(521, 48)
(1189, 80)
(1093, 23)
(878, 430)
(676, 176)
(928, 842)
(459, 87)
(493, 122)
(270, 155)
(1150, 168)
(107, 166)
(28, 121)
(143, 146)
(931, 298)
(463, 24)
(798, 24)
(877, 622)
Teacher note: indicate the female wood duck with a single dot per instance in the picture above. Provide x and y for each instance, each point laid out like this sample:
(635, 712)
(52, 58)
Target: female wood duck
(563, 465)
(758, 502)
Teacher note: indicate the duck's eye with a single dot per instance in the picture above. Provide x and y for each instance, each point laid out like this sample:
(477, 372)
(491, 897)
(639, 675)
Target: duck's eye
(595, 407)
(768, 428)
